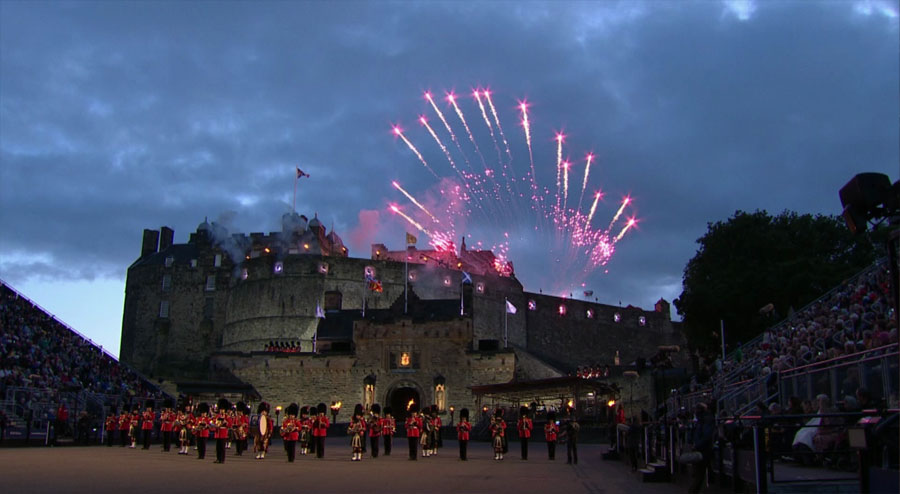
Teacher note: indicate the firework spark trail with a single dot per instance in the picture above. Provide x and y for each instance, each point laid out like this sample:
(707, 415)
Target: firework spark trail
(618, 213)
(487, 96)
(559, 141)
(628, 225)
(453, 138)
(446, 151)
(527, 126)
(590, 216)
(399, 133)
(414, 201)
(487, 121)
(565, 166)
(587, 171)
(411, 221)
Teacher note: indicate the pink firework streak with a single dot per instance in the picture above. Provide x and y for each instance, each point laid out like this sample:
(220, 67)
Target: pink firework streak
(399, 133)
(487, 96)
(440, 143)
(587, 171)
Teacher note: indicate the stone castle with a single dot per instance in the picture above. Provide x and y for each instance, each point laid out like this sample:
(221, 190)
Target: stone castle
(409, 325)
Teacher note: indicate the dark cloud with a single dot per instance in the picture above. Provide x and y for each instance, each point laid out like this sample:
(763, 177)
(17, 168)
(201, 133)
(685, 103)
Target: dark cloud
(119, 117)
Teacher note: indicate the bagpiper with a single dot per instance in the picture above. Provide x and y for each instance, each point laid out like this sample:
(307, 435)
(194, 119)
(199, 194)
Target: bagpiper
(320, 430)
(524, 426)
(427, 439)
(112, 426)
(413, 430)
(388, 428)
(305, 430)
(498, 431)
(263, 431)
(201, 429)
(551, 433)
(183, 424)
(357, 431)
(463, 428)
(290, 431)
(374, 428)
(222, 426)
(134, 423)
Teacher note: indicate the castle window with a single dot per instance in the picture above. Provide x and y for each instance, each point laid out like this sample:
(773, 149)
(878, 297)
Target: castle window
(209, 307)
(164, 309)
(562, 310)
(244, 273)
(405, 359)
(369, 391)
(170, 261)
(440, 397)
(193, 263)
(218, 261)
(447, 281)
(642, 321)
(617, 317)
(279, 267)
(532, 305)
(370, 271)
(333, 300)
(211, 283)
(323, 268)
(413, 275)
(590, 313)
(166, 282)
(479, 287)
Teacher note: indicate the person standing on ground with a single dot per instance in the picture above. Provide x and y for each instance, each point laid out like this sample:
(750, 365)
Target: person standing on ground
(320, 430)
(413, 430)
(463, 427)
(374, 428)
(524, 426)
(388, 428)
(571, 431)
(703, 438)
(551, 432)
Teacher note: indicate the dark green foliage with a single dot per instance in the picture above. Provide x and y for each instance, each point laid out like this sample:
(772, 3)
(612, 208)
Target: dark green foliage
(753, 259)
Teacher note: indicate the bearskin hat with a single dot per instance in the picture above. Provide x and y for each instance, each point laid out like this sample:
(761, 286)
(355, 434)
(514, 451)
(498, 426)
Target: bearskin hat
(321, 408)
(376, 408)
(414, 408)
(292, 409)
(168, 403)
(112, 410)
(242, 407)
(203, 408)
(136, 408)
(223, 404)
(551, 416)
(388, 410)
(498, 413)
(149, 404)
(304, 411)
(464, 414)
(357, 409)
(523, 411)
(262, 407)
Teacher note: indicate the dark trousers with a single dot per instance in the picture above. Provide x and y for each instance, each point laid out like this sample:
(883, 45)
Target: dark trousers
(147, 436)
(373, 442)
(220, 449)
(320, 446)
(123, 435)
(633, 457)
(312, 444)
(413, 444)
(699, 474)
(387, 445)
(572, 451)
(291, 448)
(524, 442)
(463, 446)
(239, 446)
(109, 437)
(167, 440)
(551, 449)
(201, 447)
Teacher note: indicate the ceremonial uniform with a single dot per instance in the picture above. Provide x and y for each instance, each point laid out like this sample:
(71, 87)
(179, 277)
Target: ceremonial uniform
(147, 426)
(438, 423)
(222, 425)
(241, 427)
(201, 430)
(167, 426)
(124, 427)
(320, 430)
(463, 428)
(182, 428)
(388, 428)
(313, 414)
(571, 430)
(551, 433)
(135, 423)
(263, 431)
(305, 424)
(498, 432)
(413, 431)
(112, 426)
(290, 431)
(374, 427)
(524, 426)
(357, 432)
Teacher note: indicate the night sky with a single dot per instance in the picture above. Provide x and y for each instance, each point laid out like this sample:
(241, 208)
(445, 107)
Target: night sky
(120, 116)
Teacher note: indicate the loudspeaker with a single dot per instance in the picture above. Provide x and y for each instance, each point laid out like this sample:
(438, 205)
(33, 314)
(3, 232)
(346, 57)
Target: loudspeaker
(865, 191)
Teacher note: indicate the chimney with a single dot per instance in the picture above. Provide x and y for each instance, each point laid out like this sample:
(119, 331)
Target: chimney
(166, 238)
(151, 240)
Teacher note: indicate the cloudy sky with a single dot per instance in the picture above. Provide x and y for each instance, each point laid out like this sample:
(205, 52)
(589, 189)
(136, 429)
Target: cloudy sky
(120, 116)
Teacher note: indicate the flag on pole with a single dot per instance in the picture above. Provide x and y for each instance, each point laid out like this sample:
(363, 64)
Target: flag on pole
(510, 308)
(319, 312)
(588, 293)
(301, 174)
(467, 278)
(410, 239)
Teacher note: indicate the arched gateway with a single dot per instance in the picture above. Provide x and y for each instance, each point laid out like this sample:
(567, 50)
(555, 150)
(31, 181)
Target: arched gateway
(399, 397)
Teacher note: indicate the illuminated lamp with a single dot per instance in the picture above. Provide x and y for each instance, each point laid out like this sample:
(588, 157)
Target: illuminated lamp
(617, 317)
(267, 250)
(590, 313)
(459, 264)
(412, 276)
(532, 305)
(642, 321)
(447, 281)
(562, 309)
(479, 287)
(306, 246)
(279, 267)
(611, 403)
(323, 268)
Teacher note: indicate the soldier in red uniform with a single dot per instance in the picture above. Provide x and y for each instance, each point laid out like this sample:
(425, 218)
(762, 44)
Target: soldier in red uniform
(551, 433)
(374, 427)
(290, 431)
(388, 428)
(147, 424)
(357, 433)
(524, 426)
(320, 430)
(167, 425)
(112, 426)
(221, 425)
(124, 426)
(305, 424)
(135, 425)
(241, 427)
(463, 427)
(413, 430)
(313, 413)
(438, 423)
(201, 429)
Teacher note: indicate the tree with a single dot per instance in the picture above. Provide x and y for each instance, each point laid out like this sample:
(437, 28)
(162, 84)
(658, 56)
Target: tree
(754, 259)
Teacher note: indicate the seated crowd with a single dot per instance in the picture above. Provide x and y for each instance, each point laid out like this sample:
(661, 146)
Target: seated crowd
(283, 347)
(37, 351)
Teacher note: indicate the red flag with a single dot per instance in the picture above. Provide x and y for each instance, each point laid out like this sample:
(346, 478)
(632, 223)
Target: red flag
(301, 174)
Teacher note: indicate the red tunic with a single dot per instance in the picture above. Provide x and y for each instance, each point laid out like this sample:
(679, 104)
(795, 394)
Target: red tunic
(167, 421)
(124, 422)
(112, 423)
(222, 430)
(462, 431)
(551, 431)
(147, 423)
(524, 425)
(374, 426)
(388, 426)
(320, 426)
(413, 427)
(291, 423)
(201, 422)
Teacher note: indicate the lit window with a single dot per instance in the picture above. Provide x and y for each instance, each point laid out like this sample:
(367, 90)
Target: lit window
(440, 397)
(306, 246)
(323, 268)
(532, 305)
(369, 395)
(590, 313)
(405, 359)
(193, 263)
(370, 271)
(479, 287)
(279, 267)
(447, 281)
(562, 309)
(210, 283)
(244, 273)
(617, 317)
(642, 321)
(169, 261)
(218, 261)
(413, 275)
(167, 282)
(164, 309)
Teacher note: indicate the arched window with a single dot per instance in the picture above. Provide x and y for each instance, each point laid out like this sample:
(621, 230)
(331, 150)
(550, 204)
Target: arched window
(369, 391)
(440, 393)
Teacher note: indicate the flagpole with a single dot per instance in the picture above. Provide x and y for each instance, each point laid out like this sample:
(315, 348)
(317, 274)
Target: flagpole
(722, 331)
(294, 204)
(406, 282)
(462, 310)
(505, 323)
